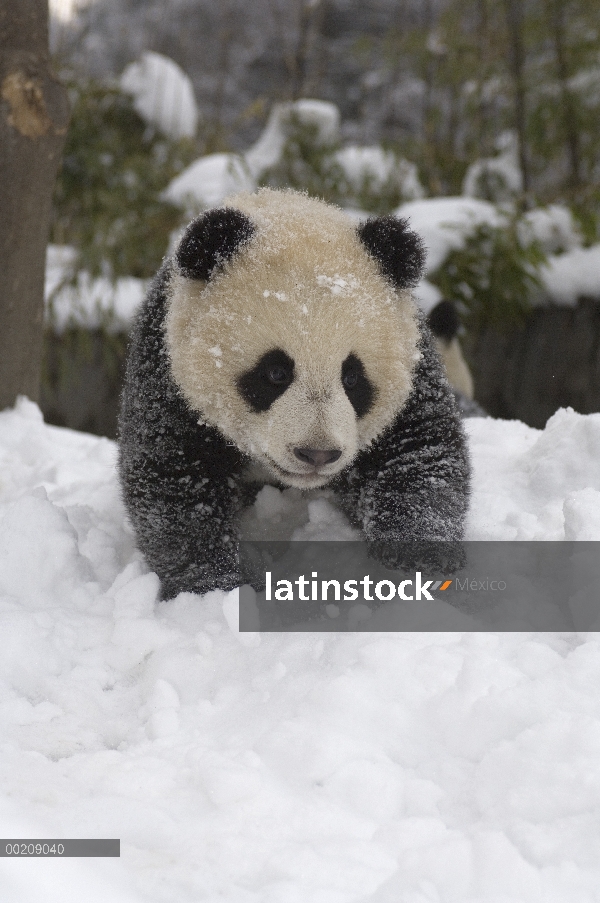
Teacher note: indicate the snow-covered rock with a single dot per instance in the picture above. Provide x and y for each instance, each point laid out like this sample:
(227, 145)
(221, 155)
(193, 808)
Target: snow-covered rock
(285, 767)
(322, 116)
(208, 181)
(163, 94)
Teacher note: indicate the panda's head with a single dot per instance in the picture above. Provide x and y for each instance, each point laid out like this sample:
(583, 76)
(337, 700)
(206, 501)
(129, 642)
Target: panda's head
(293, 332)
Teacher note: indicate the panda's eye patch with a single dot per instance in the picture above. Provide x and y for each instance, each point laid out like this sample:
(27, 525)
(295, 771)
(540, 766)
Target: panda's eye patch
(267, 380)
(360, 391)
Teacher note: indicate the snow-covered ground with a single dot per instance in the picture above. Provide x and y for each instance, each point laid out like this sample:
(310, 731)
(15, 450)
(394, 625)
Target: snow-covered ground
(285, 768)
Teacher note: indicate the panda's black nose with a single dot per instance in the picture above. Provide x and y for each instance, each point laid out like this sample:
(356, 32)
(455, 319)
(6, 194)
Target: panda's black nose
(317, 456)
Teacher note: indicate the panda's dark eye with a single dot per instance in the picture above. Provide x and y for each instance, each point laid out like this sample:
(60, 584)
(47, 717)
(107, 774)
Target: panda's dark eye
(357, 386)
(278, 375)
(350, 379)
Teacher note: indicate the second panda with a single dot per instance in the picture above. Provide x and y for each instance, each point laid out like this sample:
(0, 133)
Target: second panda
(282, 342)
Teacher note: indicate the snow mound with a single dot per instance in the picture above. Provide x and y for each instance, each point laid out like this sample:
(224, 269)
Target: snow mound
(496, 178)
(62, 881)
(320, 115)
(163, 94)
(285, 767)
(553, 227)
(445, 223)
(208, 181)
(572, 275)
(374, 169)
(535, 485)
(90, 303)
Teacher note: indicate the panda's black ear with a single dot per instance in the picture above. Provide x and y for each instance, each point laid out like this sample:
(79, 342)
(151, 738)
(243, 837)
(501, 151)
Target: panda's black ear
(211, 240)
(398, 250)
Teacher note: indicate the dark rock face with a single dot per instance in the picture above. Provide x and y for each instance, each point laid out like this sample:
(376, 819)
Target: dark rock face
(553, 362)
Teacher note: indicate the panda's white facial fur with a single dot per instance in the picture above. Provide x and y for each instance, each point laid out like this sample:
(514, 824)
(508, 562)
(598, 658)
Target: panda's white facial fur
(297, 349)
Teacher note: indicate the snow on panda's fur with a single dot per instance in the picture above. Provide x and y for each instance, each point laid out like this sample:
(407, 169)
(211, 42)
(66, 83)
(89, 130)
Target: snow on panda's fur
(281, 345)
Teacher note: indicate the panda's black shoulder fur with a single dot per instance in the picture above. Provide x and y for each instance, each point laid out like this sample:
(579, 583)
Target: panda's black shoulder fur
(412, 483)
(182, 480)
(179, 478)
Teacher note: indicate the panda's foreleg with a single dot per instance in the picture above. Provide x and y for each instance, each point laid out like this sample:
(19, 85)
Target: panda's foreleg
(412, 484)
(178, 477)
(420, 493)
(183, 519)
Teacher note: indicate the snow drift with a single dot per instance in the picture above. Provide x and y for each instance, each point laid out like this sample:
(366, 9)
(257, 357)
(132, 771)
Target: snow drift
(284, 768)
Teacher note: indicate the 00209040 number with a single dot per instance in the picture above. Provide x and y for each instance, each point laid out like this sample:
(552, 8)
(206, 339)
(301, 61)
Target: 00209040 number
(52, 848)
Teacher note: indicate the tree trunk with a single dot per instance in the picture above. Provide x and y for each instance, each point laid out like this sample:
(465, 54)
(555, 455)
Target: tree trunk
(514, 17)
(568, 102)
(34, 116)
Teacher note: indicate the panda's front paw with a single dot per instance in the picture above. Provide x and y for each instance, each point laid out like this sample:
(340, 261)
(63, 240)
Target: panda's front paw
(429, 556)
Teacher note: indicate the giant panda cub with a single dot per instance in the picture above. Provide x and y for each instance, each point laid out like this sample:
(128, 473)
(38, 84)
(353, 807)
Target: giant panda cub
(280, 345)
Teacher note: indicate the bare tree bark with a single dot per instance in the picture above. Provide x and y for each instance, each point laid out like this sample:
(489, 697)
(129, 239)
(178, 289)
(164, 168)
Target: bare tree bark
(569, 108)
(514, 18)
(34, 116)
(297, 40)
(429, 74)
